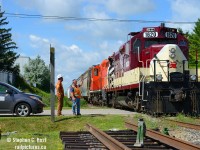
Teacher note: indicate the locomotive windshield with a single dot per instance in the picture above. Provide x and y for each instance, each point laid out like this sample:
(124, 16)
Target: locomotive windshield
(150, 42)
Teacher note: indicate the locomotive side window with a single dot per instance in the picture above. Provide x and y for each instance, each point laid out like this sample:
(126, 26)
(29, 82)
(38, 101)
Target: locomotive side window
(95, 72)
(136, 44)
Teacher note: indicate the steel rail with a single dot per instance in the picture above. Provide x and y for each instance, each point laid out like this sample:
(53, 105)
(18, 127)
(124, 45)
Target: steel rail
(176, 143)
(186, 125)
(106, 139)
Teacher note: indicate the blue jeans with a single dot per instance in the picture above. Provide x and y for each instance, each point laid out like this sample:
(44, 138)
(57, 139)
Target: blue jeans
(76, 106)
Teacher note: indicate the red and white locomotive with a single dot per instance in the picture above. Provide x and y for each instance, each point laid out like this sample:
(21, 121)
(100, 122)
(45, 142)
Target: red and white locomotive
(148, 73)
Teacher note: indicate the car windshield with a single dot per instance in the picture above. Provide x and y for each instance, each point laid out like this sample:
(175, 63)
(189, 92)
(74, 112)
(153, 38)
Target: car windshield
(159, 41)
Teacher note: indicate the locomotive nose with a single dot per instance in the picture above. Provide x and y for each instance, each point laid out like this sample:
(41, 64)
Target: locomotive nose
(169, 59)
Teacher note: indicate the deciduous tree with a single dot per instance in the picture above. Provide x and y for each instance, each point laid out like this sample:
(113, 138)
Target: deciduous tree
(37, 73)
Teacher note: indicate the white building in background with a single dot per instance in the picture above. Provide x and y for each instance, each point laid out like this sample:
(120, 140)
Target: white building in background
(22, 61)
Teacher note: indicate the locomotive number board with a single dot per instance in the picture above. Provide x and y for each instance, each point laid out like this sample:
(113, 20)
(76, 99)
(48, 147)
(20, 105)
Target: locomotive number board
(152, 34)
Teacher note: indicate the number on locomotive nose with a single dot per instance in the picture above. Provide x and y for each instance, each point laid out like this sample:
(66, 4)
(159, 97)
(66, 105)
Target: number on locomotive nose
(150, 34)
(170, 35)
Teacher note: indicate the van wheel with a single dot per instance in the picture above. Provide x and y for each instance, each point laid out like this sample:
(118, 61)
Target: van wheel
(22, 110)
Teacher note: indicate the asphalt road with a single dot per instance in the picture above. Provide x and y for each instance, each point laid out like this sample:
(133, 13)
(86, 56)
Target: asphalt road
(68, 112)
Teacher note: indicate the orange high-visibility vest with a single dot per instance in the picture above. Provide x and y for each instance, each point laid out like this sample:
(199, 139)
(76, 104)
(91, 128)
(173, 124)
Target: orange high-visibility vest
(77, 92)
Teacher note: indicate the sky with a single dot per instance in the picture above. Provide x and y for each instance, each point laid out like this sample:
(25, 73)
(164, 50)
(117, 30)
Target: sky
(80, 44)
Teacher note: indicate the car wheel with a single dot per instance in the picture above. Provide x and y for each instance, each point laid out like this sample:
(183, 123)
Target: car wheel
(22, 110)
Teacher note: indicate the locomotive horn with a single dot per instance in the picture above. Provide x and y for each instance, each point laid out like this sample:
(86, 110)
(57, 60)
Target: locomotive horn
(162, 25)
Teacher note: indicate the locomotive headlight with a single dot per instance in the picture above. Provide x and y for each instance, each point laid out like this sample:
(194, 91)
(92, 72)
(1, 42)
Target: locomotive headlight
(159, 77)
(193, 77)
(172, 55)
(172, 50)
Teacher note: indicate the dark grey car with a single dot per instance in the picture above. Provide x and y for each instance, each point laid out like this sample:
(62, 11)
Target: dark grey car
(12, 100)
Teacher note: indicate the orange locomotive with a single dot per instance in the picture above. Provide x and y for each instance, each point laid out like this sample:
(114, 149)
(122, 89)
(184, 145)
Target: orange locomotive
(95, 81)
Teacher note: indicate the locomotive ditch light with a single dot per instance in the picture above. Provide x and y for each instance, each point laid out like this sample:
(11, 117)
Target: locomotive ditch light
(193, 77)
(172, 50)
(172, 55)
(159, 77)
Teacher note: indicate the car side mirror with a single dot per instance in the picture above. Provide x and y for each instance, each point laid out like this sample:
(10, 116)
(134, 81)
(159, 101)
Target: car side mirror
(9, 91)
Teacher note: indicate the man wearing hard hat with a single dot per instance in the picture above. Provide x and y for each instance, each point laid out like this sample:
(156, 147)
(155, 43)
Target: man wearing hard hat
(76, 95)
(59, 93)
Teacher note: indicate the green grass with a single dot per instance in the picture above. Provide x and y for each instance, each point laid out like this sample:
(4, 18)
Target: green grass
(161, 122)
(42, 127)
(151, 123)
(187, 119)
(25, 87)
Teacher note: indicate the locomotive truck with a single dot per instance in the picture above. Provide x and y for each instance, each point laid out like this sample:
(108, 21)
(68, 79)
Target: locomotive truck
(148, 73)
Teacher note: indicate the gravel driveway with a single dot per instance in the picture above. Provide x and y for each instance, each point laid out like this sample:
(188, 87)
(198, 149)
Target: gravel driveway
(111, 111)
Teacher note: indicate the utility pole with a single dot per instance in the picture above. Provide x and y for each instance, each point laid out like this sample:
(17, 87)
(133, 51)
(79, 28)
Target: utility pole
(52, 82)
(196, 66)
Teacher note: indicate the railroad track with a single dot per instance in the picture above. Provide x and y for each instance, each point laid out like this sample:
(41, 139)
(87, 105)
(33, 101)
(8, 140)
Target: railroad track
(94, 139)
(175, 143)
(184, 124)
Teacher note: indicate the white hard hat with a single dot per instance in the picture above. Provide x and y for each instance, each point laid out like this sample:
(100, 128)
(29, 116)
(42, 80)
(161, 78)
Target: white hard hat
(59, 76)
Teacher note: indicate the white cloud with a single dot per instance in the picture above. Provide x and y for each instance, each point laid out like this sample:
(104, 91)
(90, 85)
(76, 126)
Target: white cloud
(120, 7)
(75, 49)
(129, 7)
(34, 38)
(102, 38)
(81, 8)
(70, 60)
(1, 3)
(99, 30)
(37, 41)
(184, 10)
(53, 7)
(41, 46)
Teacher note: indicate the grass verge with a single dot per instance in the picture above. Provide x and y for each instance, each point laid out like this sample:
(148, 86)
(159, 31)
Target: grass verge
(41, 132)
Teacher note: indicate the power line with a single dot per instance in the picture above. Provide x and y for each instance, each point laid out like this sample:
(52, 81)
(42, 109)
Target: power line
(31, 16)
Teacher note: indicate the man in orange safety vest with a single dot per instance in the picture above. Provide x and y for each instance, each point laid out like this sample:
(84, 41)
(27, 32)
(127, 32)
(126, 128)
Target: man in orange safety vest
(75, 93)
